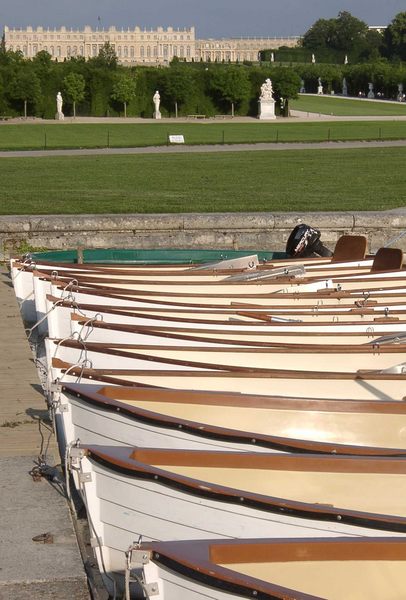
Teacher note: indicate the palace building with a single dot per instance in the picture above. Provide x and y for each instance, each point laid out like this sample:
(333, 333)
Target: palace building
(138, 46)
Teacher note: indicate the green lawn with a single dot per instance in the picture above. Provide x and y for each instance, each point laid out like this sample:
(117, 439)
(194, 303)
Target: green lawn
(331, 105)
(311, 180)
(67, 135)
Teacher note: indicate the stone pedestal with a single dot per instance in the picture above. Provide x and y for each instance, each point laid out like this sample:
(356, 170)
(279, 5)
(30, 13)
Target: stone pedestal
(157, 115)
(59, 116)
(320, 90)
(266, 110)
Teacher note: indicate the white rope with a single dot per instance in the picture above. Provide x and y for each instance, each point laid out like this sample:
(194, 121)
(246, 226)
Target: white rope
(28, 262)
(395, 239)
(84, 364)
(80, 340)
(31, 329)
(89, 324)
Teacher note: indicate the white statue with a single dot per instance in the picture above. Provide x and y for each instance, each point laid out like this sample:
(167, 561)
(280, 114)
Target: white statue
(371, 94)
(266, 102)
(266, 90)
(346, 60)
(272, 57)
(313, 59)
(319, 87)
(157, 100)
(59, 102)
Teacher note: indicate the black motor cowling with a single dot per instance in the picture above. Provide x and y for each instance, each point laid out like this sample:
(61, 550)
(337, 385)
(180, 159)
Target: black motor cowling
(304, 241)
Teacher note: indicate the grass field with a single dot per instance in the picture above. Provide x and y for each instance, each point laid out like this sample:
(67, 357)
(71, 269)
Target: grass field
(312, 180)
(332, 105)
(67, 135)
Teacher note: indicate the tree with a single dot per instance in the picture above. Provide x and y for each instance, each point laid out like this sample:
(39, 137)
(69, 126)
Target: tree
(373, 47)
(74, 85)
(395, 37)
(286, 82)
(349, 32)
(107, 57)
(124, 90)
(43, 59)
(230, 84)
(319, 35)
(177, 84)
(25, 86)
(345, 33)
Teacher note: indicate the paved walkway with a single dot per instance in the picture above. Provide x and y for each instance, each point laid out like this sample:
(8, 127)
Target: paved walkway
(30, 570)
(182, 148)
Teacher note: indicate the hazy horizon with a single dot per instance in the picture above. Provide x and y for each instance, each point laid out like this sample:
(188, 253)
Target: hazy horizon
(213, 18)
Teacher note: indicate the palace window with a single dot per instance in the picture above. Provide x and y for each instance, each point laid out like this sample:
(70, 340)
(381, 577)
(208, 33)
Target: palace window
(142, 51)
(148, 51)
(132, 51)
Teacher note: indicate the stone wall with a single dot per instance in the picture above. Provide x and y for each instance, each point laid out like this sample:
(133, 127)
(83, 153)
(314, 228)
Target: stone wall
(267, 231)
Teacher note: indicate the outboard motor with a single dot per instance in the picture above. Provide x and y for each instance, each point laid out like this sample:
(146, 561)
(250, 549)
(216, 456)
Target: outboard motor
(304, 241)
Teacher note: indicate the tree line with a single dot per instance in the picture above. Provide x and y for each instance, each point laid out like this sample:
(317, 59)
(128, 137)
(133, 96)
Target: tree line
(346, 37)
(102, 87)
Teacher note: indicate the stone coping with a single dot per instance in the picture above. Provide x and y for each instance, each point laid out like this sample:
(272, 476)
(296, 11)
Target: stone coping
(254, 230)
(192, 221)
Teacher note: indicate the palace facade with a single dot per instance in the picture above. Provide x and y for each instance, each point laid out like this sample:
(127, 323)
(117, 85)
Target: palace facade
(138, 46)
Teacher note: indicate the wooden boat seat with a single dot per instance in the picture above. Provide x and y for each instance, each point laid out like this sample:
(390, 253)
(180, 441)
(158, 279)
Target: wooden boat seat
(350, 247)
(387, 259)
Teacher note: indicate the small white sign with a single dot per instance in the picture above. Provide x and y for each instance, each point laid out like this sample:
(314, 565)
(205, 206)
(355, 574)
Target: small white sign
(176, 139)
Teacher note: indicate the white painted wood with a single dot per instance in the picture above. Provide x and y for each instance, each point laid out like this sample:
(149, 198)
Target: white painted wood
(124, 508)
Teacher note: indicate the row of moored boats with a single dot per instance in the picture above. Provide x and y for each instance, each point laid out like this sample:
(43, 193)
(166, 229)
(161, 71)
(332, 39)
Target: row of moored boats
(234, 430)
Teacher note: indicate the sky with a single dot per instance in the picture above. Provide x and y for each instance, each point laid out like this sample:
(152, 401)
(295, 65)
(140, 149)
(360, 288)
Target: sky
(211, 18)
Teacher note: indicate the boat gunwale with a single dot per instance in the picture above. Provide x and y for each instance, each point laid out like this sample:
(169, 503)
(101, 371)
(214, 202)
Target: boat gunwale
(277, 348)
(198, 559)
(115, 459)
(284, 444)
(267, 373)
(255, 323)
(129, 311)
(123, 293)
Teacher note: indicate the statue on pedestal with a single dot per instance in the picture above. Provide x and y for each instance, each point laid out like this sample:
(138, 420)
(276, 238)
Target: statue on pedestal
(157, 100)
(313, 59)
(266, 102)
(266, 90)
(59, 102)
(345, 89)
(371, 94)
(319, 87)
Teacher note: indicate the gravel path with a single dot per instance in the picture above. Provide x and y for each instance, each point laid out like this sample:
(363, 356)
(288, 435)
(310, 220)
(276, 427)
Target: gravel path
(179, 149)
